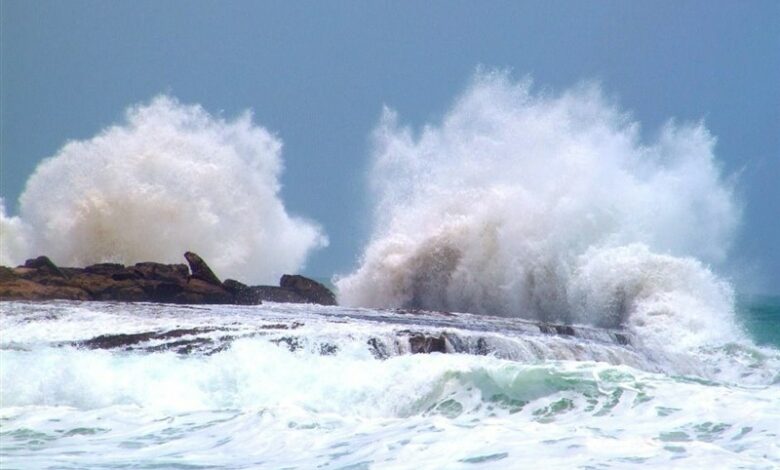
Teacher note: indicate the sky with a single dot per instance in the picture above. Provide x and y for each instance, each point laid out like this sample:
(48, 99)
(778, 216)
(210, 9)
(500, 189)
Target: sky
(318, 74)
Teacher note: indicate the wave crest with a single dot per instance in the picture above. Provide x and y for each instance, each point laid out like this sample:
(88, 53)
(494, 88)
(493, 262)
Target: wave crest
(548, 207)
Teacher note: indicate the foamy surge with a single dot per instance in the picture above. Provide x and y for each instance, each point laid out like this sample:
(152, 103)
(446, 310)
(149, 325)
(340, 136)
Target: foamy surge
(257, 402)
(550, 207)
(170, 178)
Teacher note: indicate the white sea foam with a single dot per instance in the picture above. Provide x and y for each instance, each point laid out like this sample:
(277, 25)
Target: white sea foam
(550, 206)
(170, 178)
(257, 405)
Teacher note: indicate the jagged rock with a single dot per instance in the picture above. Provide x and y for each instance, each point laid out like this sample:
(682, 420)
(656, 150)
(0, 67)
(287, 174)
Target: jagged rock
(200, 270)
(41, 279)
(310, 289)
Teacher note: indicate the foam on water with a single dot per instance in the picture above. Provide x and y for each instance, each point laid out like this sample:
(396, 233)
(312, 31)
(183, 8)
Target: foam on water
(170, 178)
(257, 404)
(550, 207)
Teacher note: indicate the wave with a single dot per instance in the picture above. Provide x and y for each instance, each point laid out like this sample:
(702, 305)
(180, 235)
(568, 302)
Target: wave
(100, 407)
(170, 178)
(550, 207)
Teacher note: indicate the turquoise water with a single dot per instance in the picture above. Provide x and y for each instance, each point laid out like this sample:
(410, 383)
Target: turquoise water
(760, 315)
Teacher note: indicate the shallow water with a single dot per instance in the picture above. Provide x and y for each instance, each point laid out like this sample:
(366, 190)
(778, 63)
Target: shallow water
(294, 386)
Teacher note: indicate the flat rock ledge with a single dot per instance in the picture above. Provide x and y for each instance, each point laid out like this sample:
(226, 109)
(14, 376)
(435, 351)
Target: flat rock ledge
(41, 279)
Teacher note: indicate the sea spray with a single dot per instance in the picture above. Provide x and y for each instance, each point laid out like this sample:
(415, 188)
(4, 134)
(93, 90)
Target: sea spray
(549, 207)
(171, 177)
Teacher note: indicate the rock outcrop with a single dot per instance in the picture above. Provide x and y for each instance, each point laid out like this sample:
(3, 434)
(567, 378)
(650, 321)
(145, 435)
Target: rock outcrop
(41, 279)
(312, 290)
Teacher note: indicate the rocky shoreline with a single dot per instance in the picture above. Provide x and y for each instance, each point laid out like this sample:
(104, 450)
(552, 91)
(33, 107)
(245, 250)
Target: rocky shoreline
(191, 283)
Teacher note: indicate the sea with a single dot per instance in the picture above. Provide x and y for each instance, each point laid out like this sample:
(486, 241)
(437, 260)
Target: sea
(106, 385)
(542, 282)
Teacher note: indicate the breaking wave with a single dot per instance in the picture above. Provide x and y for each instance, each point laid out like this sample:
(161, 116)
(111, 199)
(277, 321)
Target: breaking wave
(170, 178)
(550, 207)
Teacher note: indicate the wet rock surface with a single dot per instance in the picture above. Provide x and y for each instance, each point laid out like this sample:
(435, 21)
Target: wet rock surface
(41, 279)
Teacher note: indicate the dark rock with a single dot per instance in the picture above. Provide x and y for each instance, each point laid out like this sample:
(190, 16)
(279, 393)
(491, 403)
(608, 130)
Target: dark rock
(25, 289)
(134, 339)
(277, 294)
(105, 269)
(198, 291)
(7, 274)
(234, 286)
(422, 344)
(482, 347)
(309, 289)
(200, 270)
(242, 294)
(621, 339)
(162, 272)
(41, 279)
(291, 342)
(43, 263)
(563, 330)
(164, 291)
(378, 348)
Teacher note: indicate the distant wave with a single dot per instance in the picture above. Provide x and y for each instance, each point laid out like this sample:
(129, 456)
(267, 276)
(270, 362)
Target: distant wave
(170, 178)
(550, 206)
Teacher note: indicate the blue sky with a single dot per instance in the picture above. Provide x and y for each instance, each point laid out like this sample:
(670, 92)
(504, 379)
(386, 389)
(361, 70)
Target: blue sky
(318, 74)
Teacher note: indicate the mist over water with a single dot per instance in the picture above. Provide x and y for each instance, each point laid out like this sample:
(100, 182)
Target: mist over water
(550, 206)
(170, 178)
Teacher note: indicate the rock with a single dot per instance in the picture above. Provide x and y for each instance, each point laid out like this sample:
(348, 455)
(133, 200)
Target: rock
(242, 294)
(162, 272)
(105, 269)
(277, 294)
(7, 274)
(200, 270)
(163, 292)
(198, 291)
(41, 279)
(422, 344)
(309, 289)
(43, 263)
(25, 289)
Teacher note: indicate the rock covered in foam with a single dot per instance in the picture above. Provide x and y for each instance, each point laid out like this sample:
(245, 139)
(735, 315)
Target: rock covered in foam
(41, 279)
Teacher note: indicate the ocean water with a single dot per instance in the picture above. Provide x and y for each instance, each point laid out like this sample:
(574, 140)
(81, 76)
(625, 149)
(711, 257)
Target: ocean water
(302, 386)
(586, 251)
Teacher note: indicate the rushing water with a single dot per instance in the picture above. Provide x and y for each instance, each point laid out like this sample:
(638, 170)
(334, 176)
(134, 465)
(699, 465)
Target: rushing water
(605, 336)
(300, 386)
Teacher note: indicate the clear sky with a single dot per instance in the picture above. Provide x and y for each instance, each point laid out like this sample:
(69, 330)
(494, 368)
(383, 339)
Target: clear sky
(318, 74)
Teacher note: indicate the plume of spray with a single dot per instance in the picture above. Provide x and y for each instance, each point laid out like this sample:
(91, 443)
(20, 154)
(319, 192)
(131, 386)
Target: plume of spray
(170, 178)
(549, 207)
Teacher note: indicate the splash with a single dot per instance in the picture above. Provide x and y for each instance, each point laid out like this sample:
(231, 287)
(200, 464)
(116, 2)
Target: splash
(548, 207)
(170, 178)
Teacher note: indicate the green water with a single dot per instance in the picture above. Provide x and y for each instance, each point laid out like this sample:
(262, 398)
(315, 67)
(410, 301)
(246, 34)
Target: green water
(760, 316)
